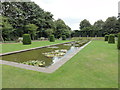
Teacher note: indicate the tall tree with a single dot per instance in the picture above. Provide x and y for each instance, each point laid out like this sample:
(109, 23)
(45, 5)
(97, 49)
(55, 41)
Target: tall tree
(85, 23)
(110, 25)
(61, 29)
(99, 25)
(24, 13)
(32, 30)
(49, 32)
(6, 28)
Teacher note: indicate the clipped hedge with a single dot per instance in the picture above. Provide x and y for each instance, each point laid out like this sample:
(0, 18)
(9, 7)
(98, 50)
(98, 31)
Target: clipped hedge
(26, 39)
(63, 37)
(118, 43)
(52, 38)
(106, 37)
(111, 39)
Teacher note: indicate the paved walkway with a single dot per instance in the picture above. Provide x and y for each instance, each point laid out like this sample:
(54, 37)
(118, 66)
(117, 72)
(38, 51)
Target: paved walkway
(49, 69)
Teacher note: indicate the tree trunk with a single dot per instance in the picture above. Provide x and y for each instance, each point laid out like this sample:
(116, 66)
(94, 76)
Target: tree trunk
(1, 38)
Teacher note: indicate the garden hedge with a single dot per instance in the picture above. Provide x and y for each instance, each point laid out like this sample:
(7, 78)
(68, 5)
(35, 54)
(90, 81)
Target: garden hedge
(106, 37)
(63, 37)
(26, 39)
(118, 43)
(111, 39)
(52, 38)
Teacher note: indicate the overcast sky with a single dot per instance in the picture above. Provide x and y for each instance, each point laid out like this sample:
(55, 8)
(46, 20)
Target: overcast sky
(74, 11)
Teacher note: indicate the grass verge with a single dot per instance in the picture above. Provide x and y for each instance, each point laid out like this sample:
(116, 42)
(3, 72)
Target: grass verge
(96, 66)
(18, 46)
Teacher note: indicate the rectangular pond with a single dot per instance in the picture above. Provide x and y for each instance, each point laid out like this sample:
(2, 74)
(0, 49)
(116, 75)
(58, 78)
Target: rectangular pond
(46, 56)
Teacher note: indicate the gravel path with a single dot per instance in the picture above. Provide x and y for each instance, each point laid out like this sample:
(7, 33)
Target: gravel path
(49, 69)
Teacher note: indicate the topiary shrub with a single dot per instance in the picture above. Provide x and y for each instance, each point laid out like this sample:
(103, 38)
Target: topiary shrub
(52, 38)
(106, 37)
(118, 43)
(26, 39)
(116, 35)
(63, 37)
(111, 38)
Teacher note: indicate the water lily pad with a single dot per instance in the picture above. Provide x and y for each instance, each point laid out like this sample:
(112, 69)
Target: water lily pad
(35, 63)
(56, 53)
(67, 44)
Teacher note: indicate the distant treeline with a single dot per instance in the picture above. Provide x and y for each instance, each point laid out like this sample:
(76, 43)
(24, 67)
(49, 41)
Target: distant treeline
(18, 18)
(99, 29)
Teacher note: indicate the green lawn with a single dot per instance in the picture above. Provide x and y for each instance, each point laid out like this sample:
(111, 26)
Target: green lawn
(19, 46)
(96, 66)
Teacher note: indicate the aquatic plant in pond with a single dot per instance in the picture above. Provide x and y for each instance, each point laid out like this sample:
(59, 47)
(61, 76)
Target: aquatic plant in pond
(68, 44)
(44, 57)
(35, 63)
(56, 53)
(80, 43)
(34, 55)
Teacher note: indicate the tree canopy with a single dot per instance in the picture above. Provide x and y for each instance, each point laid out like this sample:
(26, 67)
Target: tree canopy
(99, 28)
(85, 23)
(28, 17)
(61, 29)
(18, 18)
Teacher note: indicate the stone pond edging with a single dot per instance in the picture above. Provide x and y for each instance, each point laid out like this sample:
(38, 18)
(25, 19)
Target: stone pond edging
(49, 69)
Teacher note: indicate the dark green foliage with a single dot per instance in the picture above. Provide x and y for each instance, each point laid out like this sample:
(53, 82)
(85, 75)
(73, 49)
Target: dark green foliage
(106, 37)
(5, 29)
(85, 23)
(111, 38)
(118, 44)
(63, 37)
(28, 17)
(26, 39)
(99, 29)
(61, 29)
(110, 25)
(116, 35)
(52, 38)
(31, 29)
(40, 23)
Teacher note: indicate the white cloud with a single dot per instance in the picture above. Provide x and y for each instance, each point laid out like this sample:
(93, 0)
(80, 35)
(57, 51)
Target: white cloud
(73, 11)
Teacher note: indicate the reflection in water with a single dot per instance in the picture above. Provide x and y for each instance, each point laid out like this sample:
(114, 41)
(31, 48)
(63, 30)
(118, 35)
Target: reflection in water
(56, 59)
(36, 55)
(71, 50)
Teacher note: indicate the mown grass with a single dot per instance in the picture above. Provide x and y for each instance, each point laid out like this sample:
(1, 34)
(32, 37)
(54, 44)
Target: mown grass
(96, 66)
(18, 46)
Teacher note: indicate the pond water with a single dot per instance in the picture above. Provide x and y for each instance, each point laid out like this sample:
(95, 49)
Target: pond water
(38, 54)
